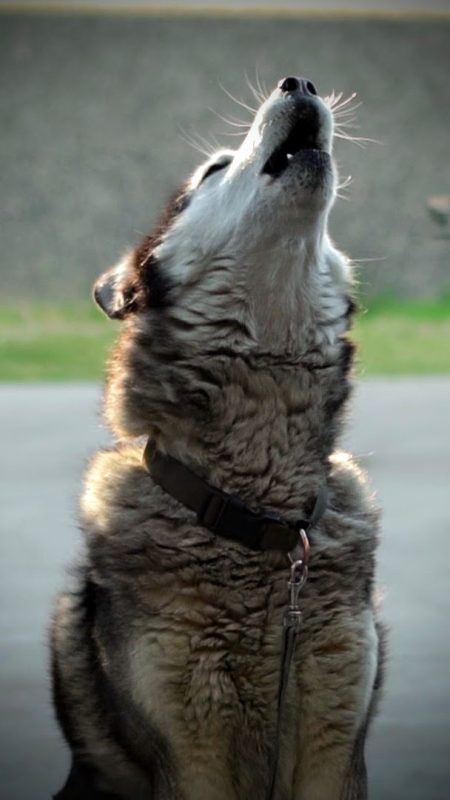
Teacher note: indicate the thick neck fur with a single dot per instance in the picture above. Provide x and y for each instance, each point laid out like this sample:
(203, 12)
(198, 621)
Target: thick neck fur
(252, 421)
(287, 302)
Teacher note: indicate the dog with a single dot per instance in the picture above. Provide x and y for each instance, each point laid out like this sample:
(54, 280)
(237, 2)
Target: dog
(231, 378)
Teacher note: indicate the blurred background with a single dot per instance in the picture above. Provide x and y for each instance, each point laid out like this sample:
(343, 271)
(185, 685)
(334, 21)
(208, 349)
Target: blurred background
(103, 108)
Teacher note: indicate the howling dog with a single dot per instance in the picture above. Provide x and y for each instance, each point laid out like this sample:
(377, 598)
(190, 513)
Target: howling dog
(173, 672)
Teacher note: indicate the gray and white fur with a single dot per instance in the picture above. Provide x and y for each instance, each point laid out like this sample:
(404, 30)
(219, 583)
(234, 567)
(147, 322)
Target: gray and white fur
(234, 357)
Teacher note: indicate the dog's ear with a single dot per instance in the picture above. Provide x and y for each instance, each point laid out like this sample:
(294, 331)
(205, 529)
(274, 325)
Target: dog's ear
(115, 292)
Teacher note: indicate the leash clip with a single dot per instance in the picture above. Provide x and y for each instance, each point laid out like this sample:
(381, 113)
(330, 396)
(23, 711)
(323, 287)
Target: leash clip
(298, 557)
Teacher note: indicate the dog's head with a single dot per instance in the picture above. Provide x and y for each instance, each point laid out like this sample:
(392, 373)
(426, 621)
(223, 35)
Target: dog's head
(241, 260)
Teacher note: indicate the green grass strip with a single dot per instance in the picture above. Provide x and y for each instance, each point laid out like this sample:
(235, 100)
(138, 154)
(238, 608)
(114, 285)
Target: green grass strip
(54, 343)
(72, 342)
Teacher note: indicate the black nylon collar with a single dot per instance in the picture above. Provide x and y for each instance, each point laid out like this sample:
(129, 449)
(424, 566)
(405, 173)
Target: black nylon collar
(226, 514)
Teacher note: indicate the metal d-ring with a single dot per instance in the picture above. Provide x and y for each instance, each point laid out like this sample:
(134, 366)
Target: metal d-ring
(301, 549)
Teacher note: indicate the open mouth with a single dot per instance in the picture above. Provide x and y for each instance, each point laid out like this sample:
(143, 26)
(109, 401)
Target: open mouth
(303, 136)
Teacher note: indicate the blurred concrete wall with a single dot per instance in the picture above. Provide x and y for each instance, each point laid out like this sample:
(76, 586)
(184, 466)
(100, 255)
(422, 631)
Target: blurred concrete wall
(91, 113)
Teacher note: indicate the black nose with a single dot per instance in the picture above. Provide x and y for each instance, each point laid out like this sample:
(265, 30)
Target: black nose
(302, 85)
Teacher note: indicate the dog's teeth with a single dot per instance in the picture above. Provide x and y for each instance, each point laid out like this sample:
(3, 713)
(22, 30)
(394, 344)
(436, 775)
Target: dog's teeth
(289, 156)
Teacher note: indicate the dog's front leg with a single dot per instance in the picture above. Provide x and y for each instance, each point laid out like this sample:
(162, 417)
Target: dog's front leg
(333, 771)
(331, 779)
(338, 702)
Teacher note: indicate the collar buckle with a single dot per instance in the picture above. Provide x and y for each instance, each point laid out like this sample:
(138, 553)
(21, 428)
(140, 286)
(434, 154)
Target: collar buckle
(276, 533)
(214, 507)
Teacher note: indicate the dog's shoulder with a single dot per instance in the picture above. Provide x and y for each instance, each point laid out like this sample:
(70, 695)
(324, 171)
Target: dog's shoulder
(114, 483)
(350, 489)
(342, 561)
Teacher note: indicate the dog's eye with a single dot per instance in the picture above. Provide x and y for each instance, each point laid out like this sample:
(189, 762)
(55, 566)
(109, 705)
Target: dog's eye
(221, 164)
(213, 168)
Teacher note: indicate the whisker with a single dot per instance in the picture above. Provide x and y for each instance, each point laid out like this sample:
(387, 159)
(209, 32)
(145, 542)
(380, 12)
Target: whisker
(261, 86)
(256, 94)
(348, 138)
(235, 100)
(368, 260)
(338, 104)
(342, 110)
(346, 182)
(197, 142)
(348, 123)
(229, 121)
(234, 124)
(346, 111)
(344, 121)
(232, 133)
(333, 98)
(359, 140)
(212, 145)
(194, 145)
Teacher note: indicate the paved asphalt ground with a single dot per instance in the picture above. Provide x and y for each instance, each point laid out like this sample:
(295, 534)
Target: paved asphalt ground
(400, 432)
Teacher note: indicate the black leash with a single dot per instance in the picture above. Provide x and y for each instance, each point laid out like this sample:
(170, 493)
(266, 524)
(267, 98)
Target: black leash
(292, 623)
(228, 516)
